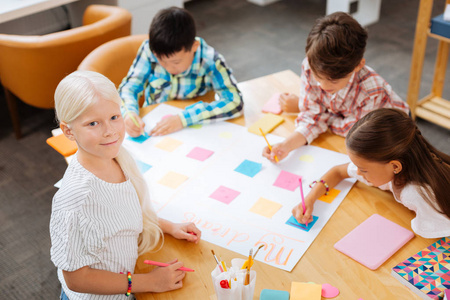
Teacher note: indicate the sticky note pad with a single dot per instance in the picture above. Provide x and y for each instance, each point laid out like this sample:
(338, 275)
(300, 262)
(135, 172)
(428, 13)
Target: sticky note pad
(142, 166)
(173, 180)
(267, 294)
(293, 222)
(273, 105)
(224, 194)
(139, 139)
(169, 144)
(373, 241)
(249, 168)
(330, 197)
(267, 123)
(62, 144)
(287, 180)
(305, 291)
(265, 207)
(200, 154)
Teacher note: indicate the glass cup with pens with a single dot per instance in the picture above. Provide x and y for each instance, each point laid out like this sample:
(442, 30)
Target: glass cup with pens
(236, 282)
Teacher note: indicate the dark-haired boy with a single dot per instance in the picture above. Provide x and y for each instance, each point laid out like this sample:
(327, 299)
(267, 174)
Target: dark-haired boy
(175, 64)
(337, 88)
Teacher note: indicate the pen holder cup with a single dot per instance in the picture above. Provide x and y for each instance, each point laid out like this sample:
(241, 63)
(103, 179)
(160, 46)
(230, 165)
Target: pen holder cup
(236, 276)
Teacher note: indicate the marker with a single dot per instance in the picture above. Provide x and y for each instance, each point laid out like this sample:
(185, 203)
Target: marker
(303, 199)
(270, 147)
(160, 264)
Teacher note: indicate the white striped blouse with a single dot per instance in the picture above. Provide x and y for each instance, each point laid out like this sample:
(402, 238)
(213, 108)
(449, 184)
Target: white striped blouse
(94, 223)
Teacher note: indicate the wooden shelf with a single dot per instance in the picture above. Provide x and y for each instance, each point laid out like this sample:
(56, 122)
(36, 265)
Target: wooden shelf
(433, 108)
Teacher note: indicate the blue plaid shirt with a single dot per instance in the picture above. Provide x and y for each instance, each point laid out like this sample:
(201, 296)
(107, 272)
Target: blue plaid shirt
(207, 72)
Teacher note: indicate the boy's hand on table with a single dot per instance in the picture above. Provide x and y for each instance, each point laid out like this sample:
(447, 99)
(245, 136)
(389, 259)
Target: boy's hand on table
(130, 125)
(280, 150)
(167, 125)
(289, 103)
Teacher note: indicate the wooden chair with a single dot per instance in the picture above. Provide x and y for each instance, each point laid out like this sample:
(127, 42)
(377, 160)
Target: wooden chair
(32, 66)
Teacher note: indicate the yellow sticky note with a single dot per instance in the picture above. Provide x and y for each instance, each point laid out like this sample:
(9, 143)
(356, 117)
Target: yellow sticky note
(307, 158)
(173, 180)
(305, 291)
(265, 208)
(330, 197)
(266, 123)
(168, 144)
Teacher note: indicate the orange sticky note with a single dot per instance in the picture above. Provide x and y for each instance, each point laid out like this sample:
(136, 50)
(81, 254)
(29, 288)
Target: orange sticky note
(63, 145)
(330, 197)
(306, 291)
(267, 123)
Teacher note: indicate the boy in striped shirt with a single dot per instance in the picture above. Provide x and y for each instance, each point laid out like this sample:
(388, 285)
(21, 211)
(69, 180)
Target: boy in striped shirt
(337, 88)
(175, 64)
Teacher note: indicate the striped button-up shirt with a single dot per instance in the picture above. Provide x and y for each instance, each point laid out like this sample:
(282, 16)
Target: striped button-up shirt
(94, 223)
(208, 71)
(319, 110)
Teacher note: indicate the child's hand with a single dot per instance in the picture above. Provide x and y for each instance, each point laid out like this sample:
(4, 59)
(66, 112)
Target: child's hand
(168, 278)
(279, 150)
(186, 231)
(297, 212)
(289, 102)
(130, 125)
(167, 125)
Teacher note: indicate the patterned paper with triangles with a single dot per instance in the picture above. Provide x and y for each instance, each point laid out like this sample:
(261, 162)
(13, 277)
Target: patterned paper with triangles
(427, 273)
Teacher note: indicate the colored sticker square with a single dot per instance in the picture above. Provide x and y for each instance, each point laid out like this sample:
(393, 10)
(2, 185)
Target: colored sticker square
(226, 135)
(200, 154)
(307, 158)
(224, 194)
(288, 181)
(249, 168)
(196, 126)
(169, 144)
(330, 197)
(293, 222)
(142, 166)
(265, 208)
(140, 139)
(173, 180)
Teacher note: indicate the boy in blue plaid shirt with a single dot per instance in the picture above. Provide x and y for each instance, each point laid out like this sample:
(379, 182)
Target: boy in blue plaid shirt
(175, 64)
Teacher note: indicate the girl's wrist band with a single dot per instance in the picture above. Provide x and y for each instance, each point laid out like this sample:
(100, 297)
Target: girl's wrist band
(128, 293)
(327, 188)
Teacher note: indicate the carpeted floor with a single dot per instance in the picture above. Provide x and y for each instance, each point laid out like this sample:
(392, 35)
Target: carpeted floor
(255, 41)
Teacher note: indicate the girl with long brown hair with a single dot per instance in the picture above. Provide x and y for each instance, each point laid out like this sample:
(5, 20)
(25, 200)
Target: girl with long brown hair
(388, 151)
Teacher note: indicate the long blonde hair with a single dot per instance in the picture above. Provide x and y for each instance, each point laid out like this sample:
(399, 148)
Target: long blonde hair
(76, 93)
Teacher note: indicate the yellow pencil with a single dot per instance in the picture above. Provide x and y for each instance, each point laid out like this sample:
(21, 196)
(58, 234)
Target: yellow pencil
(131, 116)
(270, 147)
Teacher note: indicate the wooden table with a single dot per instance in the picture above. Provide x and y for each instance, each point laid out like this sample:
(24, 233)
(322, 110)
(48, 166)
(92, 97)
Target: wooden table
(321, 262)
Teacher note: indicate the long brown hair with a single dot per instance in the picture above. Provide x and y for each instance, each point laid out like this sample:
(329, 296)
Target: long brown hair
(388, 134)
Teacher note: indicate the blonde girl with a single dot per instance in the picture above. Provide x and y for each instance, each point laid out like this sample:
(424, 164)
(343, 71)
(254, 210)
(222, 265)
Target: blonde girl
(388, 151)
(101, 216)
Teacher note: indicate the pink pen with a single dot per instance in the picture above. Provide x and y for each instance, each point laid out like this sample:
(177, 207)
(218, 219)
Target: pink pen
(160, 264)
(303, 199)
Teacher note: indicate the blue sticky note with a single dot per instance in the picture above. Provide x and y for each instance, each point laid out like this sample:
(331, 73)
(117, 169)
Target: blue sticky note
(293, 222)
(140, 139)
(249, 168)
(267, 294)
(142, 166)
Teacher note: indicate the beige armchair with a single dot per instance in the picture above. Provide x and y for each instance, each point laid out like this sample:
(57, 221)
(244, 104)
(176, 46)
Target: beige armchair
(32, 66)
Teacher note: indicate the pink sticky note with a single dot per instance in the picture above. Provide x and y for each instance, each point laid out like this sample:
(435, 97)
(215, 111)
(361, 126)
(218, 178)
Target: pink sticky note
(286, 180)
(200, 154)
(224, 194)
(373, 241)
(272, 106)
